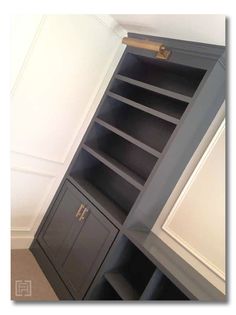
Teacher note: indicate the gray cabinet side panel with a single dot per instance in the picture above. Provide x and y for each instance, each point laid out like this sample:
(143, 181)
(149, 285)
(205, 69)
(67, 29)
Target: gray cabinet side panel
(187, 138)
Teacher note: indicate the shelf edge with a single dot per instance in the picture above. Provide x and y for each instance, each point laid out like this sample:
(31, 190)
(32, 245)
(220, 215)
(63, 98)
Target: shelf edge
(156, 89)
(128, 137)
(143, 108)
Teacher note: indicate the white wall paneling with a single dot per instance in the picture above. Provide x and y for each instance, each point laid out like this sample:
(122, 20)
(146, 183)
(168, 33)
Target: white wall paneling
(193, 219)
(24, 32)
(27, 202)
(68, 62)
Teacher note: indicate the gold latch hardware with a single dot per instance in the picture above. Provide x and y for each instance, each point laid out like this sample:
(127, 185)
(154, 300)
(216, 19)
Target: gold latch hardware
(83, 215)
(159, 48)
(79, 211)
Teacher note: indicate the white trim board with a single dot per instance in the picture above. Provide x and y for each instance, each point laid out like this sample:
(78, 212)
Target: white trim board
(166, 226)
(162, 227)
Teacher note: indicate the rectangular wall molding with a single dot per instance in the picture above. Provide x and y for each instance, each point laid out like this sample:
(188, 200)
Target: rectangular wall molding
(53, 166)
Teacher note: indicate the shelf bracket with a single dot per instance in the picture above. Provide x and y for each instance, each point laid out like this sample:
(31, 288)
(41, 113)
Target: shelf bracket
(159, 48)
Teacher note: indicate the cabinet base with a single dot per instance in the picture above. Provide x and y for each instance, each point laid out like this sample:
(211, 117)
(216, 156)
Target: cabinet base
(50, 273)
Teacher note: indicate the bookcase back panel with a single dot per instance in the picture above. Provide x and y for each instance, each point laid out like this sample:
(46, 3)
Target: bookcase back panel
(174, 77)
(156, 101)
(150, 130)
(121, 150)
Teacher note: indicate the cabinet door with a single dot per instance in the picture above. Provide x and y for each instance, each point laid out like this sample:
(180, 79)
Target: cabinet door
(62, 224)
(87, 252)
(76, 241)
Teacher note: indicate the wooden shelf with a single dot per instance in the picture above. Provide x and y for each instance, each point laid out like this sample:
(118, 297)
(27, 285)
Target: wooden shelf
(158, 103)
(150, 87)
(160, 288)
(152, 131)
(143, 108)
(109, 190)
(169, 76)
(147, 126)
(113, 212)
(121, 286)
(107, 293)
(129, 271)
(117, 167)
(128, 137)
(126, 156)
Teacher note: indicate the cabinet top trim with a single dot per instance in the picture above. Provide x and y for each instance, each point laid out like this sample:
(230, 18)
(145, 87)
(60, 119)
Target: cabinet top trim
(202, 49)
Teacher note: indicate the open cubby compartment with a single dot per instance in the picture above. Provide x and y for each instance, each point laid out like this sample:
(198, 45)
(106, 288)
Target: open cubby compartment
(161, 288)
(148, 129)
(104, 292)
(130, 271)
(105, 187)
(158, 102)
(128, 157)
(163, 74)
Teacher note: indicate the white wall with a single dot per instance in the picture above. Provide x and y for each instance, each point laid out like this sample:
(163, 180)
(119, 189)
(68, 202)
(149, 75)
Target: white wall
(60, 68)
(205, 28)
(192, 222)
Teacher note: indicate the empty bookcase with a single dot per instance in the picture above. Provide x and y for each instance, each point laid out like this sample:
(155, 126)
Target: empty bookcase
(125, 156)
(151, 131)
(177, 78)
(147, 100)
(110, 190)
(133, 277)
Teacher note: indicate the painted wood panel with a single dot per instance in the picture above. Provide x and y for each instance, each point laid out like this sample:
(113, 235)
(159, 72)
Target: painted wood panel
(61, 66)
(29, 189)
(51, 100)
(193, 220)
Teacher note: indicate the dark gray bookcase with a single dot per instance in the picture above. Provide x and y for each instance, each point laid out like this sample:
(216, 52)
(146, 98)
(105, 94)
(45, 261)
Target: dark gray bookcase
(95, 242)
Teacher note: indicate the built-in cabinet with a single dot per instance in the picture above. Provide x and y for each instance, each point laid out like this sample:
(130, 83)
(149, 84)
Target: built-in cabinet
(146, 128)
(76, 239)
(132, 276)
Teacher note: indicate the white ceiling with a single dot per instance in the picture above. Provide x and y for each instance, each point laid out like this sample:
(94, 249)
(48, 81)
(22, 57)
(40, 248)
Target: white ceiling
(200, 28)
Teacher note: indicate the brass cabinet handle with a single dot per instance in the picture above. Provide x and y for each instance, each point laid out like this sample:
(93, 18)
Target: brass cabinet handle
(79, 211)
(83, 215)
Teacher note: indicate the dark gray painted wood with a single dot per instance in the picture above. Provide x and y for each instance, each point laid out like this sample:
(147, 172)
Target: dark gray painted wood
(105, 181)
(203, 105)
(143, 108)
(180, 149)
(137, 124)
(200, 55)
(62, 225)
(110, 210)
(153, 88)
(127, 270)
(117, 250)
(169, 76)
(153, 286)
(76, 248)
(87, 253)
(160, 288)
(131, 157)
(121, 286)
(51, 274)
(105, 292)
(159, 103)
(116, 167)
(184, 276)
(128, 137)
(133, 275)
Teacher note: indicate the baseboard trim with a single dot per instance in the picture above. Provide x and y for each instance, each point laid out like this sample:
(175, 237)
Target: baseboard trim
(21, 242)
